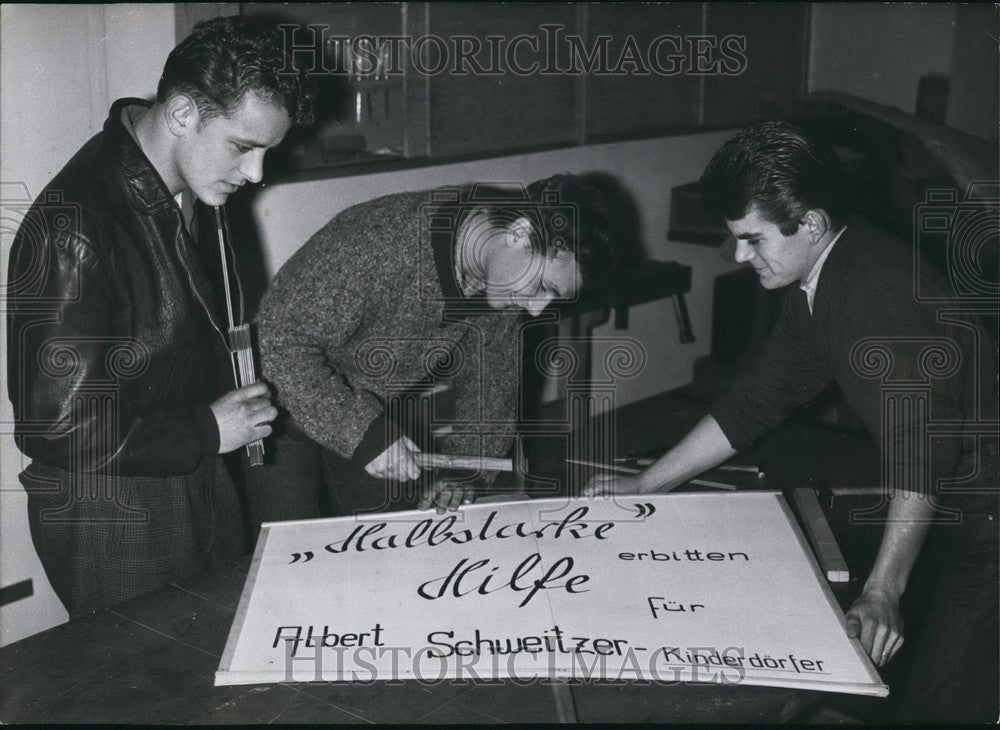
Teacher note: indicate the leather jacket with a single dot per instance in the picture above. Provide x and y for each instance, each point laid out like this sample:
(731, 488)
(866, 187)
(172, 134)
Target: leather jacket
(114, 348)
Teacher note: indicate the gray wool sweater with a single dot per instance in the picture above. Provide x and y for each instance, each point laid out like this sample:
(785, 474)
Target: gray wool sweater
(368, 308)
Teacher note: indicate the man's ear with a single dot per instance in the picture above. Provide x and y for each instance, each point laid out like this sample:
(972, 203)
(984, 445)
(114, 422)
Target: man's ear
(519, 232)
(817, 224)
(181, 114)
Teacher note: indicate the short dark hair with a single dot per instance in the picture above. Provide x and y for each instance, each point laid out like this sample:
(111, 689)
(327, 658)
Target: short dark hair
(224, 59)
(586, 233)
(781, 171)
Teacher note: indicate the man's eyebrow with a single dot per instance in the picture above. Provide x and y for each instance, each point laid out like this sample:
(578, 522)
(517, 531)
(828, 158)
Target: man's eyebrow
(754, 234)
(247, 142)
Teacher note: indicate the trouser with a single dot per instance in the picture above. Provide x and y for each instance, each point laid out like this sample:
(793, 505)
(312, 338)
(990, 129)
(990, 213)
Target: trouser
(303, 480)
(103, 540)
(954, 672)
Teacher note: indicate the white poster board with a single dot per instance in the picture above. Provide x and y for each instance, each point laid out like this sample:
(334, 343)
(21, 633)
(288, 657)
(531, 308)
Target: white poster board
(679, 587)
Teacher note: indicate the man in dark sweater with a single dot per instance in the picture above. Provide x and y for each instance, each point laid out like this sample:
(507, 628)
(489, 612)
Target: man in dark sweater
(392, 296)
(905, 364)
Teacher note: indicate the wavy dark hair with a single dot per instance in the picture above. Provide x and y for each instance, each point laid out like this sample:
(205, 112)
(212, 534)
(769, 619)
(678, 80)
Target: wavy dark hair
(224, 59)
(777, 168)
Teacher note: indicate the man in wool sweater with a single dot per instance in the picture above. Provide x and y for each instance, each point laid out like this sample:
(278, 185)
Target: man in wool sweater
(904, 364)
(394, 295)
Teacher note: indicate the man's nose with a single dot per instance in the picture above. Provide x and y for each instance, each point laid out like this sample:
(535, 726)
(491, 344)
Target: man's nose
(744, 251)
(253, 166)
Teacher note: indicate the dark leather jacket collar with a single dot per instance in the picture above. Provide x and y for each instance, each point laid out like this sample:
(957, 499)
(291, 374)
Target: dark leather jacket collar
(146, 193)
(143, 186)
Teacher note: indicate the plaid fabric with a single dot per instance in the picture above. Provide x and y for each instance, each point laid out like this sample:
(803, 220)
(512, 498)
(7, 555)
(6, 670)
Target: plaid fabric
(105, 539)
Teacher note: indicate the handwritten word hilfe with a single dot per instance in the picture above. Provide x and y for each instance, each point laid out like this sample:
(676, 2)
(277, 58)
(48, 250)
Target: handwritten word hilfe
(461, 581)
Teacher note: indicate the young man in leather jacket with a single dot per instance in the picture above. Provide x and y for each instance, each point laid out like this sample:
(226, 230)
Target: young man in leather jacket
(116, 368)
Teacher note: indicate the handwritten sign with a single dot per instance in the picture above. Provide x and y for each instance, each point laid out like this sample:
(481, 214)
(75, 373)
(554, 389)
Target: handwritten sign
(679, 587)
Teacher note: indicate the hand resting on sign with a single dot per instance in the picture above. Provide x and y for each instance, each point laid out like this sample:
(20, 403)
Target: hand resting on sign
(447, 495)
(396, 462)
(875, 618)
(606, 484)
(704, 447)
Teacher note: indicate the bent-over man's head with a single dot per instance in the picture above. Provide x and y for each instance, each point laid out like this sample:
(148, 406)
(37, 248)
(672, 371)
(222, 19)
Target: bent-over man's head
(527, 254)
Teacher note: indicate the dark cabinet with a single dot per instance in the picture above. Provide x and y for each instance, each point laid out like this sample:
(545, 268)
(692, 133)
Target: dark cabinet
(476, 79)
(495, 93)
(646, 85)
(774, 40)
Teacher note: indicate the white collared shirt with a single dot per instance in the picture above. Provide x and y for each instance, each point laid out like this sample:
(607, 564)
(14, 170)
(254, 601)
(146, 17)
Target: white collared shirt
(809, 285)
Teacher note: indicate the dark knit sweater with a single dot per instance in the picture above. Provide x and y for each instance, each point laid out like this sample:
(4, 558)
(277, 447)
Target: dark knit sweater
(870, 334)
(367, 308)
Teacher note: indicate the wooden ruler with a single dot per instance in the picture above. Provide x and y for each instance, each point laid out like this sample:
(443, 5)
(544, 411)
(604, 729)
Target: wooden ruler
(831, 560)
(455, 461)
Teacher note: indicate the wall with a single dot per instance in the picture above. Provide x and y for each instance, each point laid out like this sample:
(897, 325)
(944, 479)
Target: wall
(62, 65)
(878, 51)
